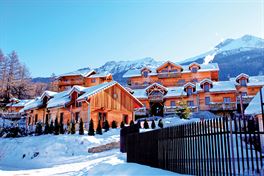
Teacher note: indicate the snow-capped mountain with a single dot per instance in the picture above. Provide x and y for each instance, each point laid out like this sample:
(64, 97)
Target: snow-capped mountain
(245, 54)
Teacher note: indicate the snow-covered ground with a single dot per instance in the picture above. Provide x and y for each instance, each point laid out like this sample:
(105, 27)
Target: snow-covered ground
(67, 155)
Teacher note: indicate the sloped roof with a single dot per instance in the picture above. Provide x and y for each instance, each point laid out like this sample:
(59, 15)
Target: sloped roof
(34, 104)
(20, 103)
(189, 84)
(168, 62)
(206, 81)
(82, 72)
(99, 75)
(220, 86)
(252, 80)
(204, 67)
(59, 100)
(175, 92)
(194, 63)
(156, 84)
(254, 107)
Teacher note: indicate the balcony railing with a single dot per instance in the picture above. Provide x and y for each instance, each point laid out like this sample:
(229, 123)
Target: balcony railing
(141, 111)
(138, 86)
(70, 82)
(169, 75)
(172, 109)
(245, 99)
(155, 98)
(223, 106)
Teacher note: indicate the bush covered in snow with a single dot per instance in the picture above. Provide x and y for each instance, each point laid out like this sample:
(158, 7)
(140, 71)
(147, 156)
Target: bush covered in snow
(12, 132)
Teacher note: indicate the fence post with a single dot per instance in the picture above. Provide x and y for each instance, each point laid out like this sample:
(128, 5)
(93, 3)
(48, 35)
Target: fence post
(232, 146)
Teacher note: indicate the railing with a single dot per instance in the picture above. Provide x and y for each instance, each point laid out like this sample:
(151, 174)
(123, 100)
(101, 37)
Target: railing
(155, 98)
(222, 106)
(70, 82)
(211, 147)
(170, 109)
(141, 111)
(169, 75)
(245, 99)
(11, 115)
(138, 86)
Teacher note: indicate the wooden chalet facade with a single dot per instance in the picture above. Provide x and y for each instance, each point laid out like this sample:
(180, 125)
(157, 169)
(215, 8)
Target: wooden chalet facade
(104, 101)
(162, 89)
(84, 77)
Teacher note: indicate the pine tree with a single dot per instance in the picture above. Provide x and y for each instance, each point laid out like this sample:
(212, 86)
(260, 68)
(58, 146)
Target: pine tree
(73, 127)
(106, 126)
(61, 127)
(122, 125)
(68, 127)
(146, 125)
(38, 130)
(99, 128)
(47, 128)
(51, 129)
(114, 125)
(131, 123)
(160, 124)
(91, 128)
(56, 127)
(81, 131)
(153, 125)
(139, 124)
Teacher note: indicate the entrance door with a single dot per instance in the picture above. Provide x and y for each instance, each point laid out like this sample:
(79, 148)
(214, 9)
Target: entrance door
(157, 108)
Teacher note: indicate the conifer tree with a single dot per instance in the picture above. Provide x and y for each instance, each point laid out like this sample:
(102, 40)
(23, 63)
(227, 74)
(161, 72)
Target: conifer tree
(68, 127)
(153, 125)
(61, 127)
(160, 124)
(38, 130)
(47, 128)
(73, 127)
(146, 125)
(114, 125)
(99, 128)
(122, 125)
(106, 126)
(139, 124)
(91, 128)
(81, 131)
(51, 127)
(131, 123)
(56, 127)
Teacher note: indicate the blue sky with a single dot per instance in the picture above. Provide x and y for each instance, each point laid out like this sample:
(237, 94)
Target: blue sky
(61, 36)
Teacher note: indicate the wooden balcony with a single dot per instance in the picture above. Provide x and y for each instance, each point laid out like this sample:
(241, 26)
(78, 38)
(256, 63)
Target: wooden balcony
(70, 82)
(169, 109)
(245, 99)
(169, 75)
(139, 86)
(155, 98)
(141, 111)
(223, 106)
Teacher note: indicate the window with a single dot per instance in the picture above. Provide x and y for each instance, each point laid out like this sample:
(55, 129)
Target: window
(174, 71)
(207, 100)
(227, 99)
(244, 94)
(145, 74)
(61, 118)
(190, 103)
(102, 116)
(206, 87)
(93, 80)
(172, 103)
(243, 82)
(77, 116)
(125, 119)
(194, 69)
(189, 91)
(78, 104)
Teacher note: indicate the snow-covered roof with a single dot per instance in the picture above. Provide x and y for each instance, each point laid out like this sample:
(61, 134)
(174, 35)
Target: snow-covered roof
(175, 92)
(204, 67)
(254, 107)
(19, 103)
(140, 93)
(59, 100)
(82, 72)
(48, 93)
(189, 84)
(155, 84)
(252, 81)
(206, 81)
(242, 75)
(220, 86)
(99, 75)
(194, 63)
(36, 103)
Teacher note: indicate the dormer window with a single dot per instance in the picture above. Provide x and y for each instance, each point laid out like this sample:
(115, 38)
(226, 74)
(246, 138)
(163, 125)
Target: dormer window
(243, 82)
(206, 87)
(93, 80)
(194, 69)
(145, 74)
(189, 91)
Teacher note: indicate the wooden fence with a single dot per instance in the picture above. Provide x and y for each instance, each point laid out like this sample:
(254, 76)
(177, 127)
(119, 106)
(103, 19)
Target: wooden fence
(212, 147)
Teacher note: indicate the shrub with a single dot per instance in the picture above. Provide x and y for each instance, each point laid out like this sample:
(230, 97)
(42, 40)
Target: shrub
(114, 125)
(99, 128)
(68, 127)
(38, 130)
(73, 127)
(91, 128)
(131, 123)
(122, 125)
(146, 125)
(153, 125)
(56, 127)
(81, 131)
(106, 125)
(47, 127)
(61, 127)
(51, 129)
(160, 124)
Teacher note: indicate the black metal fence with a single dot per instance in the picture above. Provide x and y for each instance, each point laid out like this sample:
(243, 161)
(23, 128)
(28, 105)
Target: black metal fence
(212, 147)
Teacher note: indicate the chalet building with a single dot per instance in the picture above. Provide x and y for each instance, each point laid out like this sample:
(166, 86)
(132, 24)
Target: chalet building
(162, 89)
(83, 77)
(16, 105)
(108, 100)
